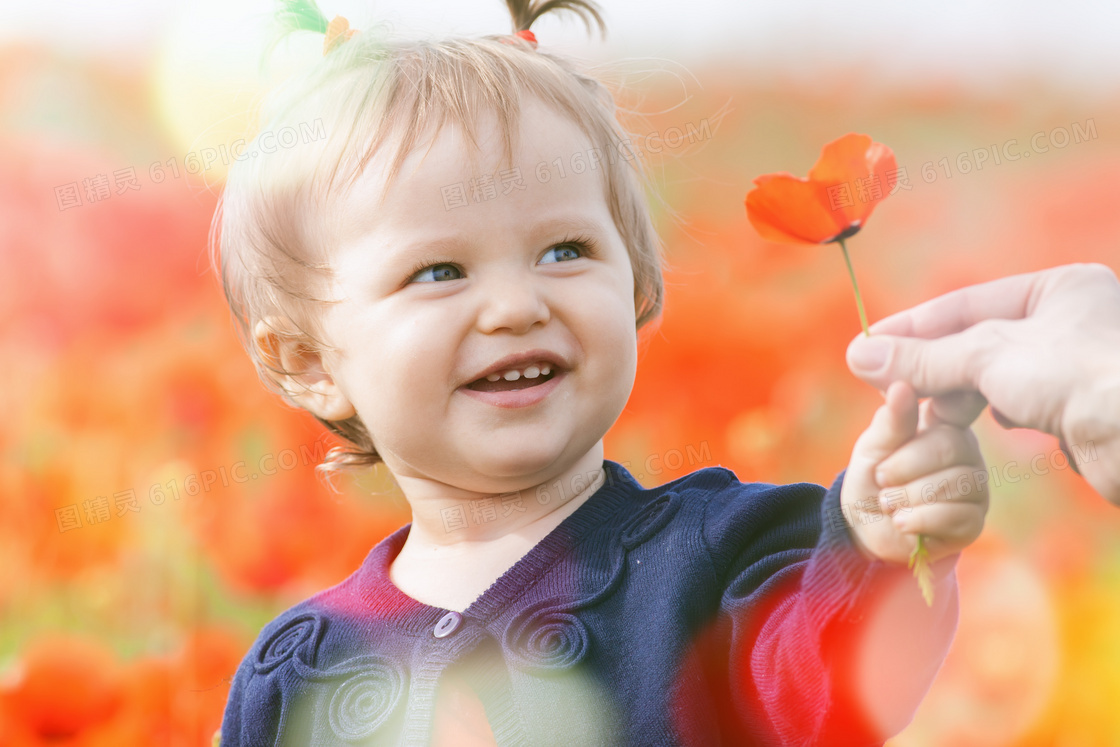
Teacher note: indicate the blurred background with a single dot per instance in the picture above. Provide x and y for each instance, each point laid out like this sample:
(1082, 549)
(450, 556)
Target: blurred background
(158, 506)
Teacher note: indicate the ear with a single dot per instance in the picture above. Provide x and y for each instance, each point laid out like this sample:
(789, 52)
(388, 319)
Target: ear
(310, 384)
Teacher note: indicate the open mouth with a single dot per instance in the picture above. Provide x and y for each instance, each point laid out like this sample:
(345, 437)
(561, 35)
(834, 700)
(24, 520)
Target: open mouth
(507, 381)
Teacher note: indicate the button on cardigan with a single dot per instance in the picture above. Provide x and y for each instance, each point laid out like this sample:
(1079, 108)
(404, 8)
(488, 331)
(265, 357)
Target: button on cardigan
(704, 611)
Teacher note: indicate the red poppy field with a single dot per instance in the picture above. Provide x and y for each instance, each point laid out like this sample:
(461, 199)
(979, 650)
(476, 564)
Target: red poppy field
(159, 506)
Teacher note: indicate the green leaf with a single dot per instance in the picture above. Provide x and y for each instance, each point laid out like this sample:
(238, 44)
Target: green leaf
(919, 561)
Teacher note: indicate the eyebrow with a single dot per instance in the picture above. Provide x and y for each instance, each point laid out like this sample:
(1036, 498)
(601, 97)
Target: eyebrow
(450, 243)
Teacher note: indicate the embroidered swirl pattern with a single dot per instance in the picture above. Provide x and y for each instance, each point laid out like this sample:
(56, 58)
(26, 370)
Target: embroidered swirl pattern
(548, 638)
(364, 701)
(301, 631)
(649, 521)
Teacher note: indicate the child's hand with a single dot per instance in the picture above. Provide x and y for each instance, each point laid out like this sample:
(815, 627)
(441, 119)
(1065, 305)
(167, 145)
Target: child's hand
(913, 471)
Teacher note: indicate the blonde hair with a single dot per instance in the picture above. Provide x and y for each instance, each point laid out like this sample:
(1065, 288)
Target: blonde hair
(273, 225)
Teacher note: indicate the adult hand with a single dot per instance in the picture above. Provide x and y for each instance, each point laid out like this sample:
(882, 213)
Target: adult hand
(1043, 348)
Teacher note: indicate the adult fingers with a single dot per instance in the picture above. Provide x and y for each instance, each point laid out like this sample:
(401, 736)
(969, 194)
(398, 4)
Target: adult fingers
(931, 367)
(957, 310)
(958, 408)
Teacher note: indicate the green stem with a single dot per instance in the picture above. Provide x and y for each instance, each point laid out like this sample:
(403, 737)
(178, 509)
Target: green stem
(855, 285)
(919, 559)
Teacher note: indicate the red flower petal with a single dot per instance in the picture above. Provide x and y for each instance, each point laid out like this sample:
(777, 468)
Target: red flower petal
(788, 209)
(851, 177)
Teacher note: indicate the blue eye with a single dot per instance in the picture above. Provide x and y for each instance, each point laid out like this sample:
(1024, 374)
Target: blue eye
(429, 271)
(569, 250)
(437, 272)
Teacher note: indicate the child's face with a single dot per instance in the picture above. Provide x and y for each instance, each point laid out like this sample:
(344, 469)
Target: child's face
(507, 279)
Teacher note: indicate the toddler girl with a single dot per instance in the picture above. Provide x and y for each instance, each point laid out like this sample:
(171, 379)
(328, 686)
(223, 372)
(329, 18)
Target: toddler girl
(452, 280)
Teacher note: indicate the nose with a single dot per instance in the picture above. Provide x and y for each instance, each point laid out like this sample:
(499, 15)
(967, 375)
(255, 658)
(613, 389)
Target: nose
(513, 301)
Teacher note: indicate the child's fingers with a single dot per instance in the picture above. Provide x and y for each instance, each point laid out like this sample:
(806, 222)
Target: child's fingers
(894, 423)
(954, 485)
(947, 527)
(938, 448)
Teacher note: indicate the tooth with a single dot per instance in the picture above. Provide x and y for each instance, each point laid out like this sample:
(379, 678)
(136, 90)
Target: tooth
(532, 372)
(545, 370)
(511, 375)
(493, 377)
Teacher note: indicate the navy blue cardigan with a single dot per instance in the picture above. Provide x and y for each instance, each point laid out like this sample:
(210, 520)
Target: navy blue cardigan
(704, 611)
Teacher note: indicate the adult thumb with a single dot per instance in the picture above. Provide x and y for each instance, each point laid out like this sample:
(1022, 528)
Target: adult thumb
(931, 367)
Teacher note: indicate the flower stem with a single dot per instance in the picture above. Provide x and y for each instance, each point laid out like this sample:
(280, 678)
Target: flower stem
(919, 559)
(855, 285)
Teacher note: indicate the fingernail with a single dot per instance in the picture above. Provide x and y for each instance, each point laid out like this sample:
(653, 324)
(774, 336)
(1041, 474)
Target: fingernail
(869, 355)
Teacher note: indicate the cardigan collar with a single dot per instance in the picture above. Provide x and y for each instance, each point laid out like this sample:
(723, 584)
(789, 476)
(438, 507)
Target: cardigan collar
(387, 602)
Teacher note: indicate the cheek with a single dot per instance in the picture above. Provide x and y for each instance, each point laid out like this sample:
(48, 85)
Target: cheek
(615, 312)
(418, 356)
(608, 326)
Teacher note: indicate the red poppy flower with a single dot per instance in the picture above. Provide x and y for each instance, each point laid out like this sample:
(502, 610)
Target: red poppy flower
(852, 176)
(68, 684)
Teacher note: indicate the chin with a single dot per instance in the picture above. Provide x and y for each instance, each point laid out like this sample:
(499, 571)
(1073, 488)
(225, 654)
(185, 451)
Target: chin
(520, 464)
(523, 460)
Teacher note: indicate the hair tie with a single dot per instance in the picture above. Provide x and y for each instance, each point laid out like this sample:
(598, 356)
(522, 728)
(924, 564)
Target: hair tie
(524, 34)
(528, 36)
(305, 15)
(338, 31)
